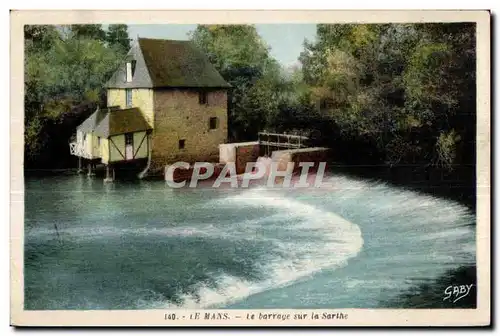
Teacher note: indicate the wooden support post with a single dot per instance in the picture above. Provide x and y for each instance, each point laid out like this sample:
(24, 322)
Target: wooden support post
(79, 165)
(90, 172)
(110, 174)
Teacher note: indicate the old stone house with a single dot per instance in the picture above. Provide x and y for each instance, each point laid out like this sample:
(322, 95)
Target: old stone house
(165, 103)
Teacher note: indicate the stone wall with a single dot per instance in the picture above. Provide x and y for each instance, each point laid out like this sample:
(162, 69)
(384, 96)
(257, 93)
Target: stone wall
(239, 153)
(178, 115)
(313, 154)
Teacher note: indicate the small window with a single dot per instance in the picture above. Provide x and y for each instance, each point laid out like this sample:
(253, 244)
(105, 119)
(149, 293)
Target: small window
(98, 141)
(84, 136)
(213, 123)
(128, 97)
(129, 139)
(182, 143)
(203, 98)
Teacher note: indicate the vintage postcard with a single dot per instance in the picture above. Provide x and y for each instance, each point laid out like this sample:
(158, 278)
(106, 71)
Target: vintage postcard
(250, 168)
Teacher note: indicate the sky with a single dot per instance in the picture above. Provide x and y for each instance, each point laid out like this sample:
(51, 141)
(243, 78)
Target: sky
(285, 40)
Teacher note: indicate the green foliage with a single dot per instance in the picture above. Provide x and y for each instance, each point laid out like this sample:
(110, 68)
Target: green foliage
(88, 31)
(117, 35)
(64, 67)
(34, 138)
(425, 77)
(446, 148)
(232, 46)
(396, 86)
(69, 67)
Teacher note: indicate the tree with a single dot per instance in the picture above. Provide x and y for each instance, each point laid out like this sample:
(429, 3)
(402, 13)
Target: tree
(117, 34)
(396, 86)
(61, 71)
(440, 82)
(89, 31)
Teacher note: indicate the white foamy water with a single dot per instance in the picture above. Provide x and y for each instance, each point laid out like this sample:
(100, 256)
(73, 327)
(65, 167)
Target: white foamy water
(428, 235)
(332, 241)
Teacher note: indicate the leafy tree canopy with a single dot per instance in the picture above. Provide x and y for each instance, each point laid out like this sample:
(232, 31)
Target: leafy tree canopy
(389, 82)
(65, 66)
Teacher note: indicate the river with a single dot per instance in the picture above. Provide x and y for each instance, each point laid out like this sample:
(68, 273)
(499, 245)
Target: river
(144, 245)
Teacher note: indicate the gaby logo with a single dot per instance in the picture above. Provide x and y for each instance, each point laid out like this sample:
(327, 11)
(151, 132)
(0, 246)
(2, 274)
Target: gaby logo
(276, 174)
(456, 292)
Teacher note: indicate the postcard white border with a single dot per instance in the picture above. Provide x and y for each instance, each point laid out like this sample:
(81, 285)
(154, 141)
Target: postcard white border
(356, 317)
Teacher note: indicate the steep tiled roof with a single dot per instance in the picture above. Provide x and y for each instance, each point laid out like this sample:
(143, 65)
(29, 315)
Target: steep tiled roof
(178, 64)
